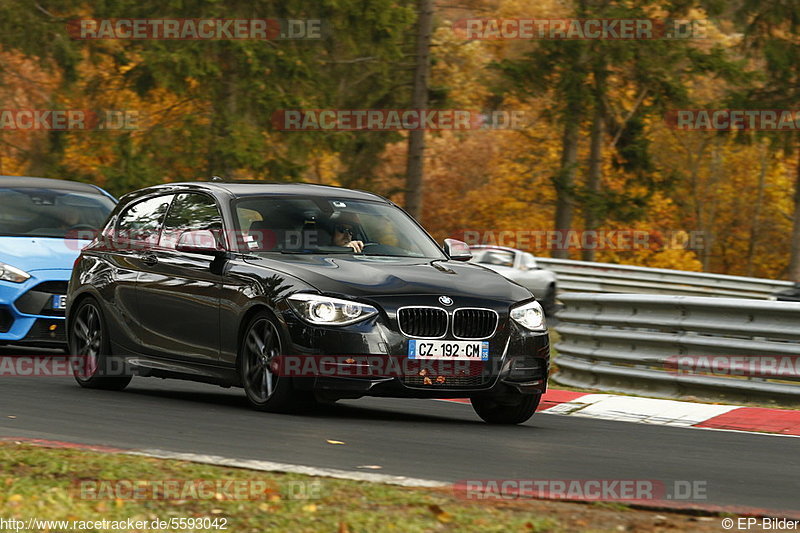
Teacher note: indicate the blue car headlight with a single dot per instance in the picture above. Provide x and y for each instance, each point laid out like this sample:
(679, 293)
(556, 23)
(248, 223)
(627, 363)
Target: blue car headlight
(12, 274)
(325, 311)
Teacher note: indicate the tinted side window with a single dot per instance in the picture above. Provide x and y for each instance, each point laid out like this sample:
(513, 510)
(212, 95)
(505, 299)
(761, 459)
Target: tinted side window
(142, 221)
(190, 212)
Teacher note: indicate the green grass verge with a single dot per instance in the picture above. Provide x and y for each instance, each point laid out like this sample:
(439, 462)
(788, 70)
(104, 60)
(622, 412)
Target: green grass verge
(44, 483)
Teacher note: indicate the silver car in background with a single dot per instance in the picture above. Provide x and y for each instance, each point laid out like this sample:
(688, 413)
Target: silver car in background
(520, 267)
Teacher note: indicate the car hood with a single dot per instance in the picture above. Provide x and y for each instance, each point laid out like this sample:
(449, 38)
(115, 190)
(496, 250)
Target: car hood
(40, 253)
(365, 276)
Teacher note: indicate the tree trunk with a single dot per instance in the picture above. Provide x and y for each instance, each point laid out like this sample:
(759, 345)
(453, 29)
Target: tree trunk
(220, 159)
(565, 204)
(595, 174)
(710, 214)
(794, 264)
(564, 180)
(755, 225)
(419, 100)
(45, 154)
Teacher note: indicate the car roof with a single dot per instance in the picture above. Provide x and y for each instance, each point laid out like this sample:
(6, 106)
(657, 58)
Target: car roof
(47, 183)
(244, 189)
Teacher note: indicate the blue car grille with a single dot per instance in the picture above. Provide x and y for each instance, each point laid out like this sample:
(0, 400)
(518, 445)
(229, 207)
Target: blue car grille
(39, 299)
(5, 320)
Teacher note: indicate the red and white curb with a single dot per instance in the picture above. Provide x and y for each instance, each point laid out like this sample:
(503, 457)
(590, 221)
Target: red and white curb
(671, 412)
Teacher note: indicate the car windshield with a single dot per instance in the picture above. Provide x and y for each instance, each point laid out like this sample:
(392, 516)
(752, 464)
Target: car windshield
(494, 257)
(316, 225)
(37, 212)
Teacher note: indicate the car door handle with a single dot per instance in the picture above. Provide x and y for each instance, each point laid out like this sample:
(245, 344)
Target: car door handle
(149, 259)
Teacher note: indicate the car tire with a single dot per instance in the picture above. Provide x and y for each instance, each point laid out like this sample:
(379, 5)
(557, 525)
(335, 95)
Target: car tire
(259, 346)
(90, 345)
(509, 408)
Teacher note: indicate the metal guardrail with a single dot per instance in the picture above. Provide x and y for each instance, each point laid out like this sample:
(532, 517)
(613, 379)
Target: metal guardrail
(642, 343)
(585, 276)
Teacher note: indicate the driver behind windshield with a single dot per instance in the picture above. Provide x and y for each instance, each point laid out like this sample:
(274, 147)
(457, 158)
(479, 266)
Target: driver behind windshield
(344, 227)
(68, 217)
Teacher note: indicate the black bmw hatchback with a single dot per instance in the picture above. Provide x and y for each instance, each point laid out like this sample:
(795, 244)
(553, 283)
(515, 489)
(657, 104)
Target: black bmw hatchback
(300, 294)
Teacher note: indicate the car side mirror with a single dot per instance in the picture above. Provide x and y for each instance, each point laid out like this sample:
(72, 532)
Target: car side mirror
(201, 241)
(457, 250)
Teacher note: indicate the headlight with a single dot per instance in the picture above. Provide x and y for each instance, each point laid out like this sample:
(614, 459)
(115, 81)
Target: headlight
(529, 316)
(15, 275)
(326, 311)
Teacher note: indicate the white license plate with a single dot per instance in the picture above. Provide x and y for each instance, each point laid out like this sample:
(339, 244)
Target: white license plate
(59, 301)
(448, 350)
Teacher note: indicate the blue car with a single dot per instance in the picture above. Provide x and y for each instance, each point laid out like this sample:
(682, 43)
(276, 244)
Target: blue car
(44, 223)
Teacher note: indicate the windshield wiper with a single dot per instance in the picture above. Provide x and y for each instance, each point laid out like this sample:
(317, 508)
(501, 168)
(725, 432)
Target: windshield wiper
(320, 252)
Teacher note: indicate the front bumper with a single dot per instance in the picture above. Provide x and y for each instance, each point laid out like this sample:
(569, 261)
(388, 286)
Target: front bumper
(27, 314)
(370, 359)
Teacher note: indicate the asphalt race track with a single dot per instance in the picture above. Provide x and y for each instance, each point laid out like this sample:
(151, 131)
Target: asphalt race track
(427, 439)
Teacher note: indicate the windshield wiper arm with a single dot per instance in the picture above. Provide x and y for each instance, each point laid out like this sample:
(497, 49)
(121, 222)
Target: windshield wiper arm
(320, 252)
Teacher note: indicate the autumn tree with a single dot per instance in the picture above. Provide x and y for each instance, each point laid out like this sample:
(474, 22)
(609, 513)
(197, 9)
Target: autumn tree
(591, 82)
(236, 85)
(772, 32)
